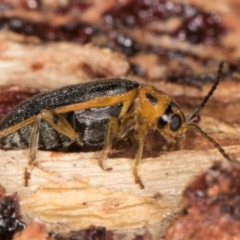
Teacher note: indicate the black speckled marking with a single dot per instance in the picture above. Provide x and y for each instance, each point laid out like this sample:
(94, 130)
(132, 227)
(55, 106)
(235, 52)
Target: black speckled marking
(151, 98)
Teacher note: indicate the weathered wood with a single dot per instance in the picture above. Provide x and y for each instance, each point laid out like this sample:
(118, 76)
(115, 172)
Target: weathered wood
(70, 190)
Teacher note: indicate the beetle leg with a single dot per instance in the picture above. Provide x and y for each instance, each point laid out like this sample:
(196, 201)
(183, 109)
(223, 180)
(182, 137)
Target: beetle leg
(112, 129)
(34, 140)
(137, 162)
(140, 137)
(57, 122)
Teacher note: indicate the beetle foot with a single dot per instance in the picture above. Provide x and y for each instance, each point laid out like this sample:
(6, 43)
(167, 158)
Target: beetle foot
(137, 178)
(138, 181)
(103, 167)
(102, 158)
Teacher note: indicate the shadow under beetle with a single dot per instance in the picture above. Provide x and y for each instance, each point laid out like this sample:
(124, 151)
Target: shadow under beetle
(94, 113)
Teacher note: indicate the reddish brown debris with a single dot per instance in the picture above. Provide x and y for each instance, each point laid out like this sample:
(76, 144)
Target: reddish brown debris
(92, 233)
(11, 96)
(9, 216)
(139, 13)
(211, 206)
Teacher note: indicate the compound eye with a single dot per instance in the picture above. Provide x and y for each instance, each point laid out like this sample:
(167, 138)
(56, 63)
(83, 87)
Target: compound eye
(162, 122)
(176, 123)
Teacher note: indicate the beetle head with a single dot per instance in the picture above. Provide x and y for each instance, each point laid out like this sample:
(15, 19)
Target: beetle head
(161, 113)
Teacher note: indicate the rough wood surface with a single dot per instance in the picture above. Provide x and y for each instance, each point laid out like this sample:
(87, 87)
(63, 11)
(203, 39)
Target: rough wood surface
(70, 191)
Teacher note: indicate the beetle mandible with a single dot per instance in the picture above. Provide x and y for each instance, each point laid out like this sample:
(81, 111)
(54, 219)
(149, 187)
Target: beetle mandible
(95, 113)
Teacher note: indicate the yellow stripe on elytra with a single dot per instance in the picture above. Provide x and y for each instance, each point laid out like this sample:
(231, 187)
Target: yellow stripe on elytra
(17, 126)
(126, 99)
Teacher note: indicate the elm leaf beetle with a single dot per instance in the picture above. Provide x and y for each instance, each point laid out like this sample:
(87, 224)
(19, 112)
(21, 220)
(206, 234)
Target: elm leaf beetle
(95, 113)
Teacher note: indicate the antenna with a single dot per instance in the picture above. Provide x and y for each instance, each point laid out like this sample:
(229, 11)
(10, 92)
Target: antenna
(198, 109)
(217, 145)
(210, 93)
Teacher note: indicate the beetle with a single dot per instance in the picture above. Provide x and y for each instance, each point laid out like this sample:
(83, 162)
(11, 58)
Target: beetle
(95, 113)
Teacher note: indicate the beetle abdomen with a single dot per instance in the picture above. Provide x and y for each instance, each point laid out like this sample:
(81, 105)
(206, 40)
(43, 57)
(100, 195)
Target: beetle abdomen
(92, 123)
